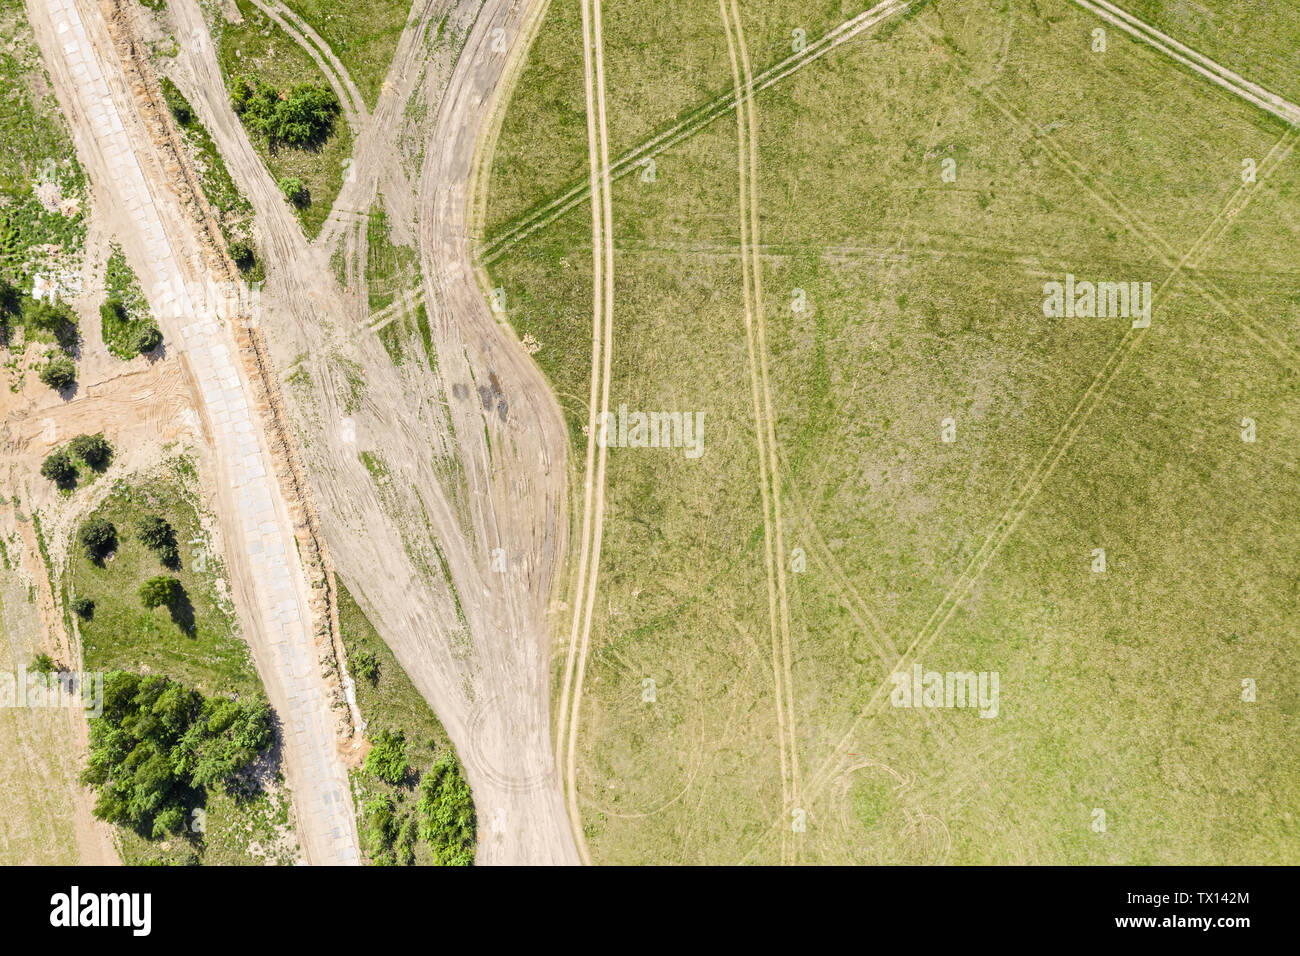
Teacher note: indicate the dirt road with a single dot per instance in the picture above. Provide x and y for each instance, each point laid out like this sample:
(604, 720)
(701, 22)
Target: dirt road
(509, 432)
(160, 243)
(451, 558)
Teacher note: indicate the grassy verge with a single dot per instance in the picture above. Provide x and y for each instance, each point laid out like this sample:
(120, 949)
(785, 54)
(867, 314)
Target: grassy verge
(42, 187)
(233, 210)
(126, 312)
(389, 815)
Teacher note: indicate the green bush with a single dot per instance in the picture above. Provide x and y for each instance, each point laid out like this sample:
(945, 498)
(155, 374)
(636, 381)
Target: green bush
(58, 467)
(147, 339)
(84, 608)
(98, 537)
(59, 373)
(446, 813)
(94, 450)
(366, 666)
(43, 664)
(303, 116)
(295, 190)
(387, 758)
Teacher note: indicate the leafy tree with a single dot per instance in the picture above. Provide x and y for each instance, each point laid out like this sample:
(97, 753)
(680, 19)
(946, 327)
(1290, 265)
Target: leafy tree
(387, 758)
(11, 300)
(147, 339)
(43, 664)
(58, 467)
(241, 253)
(84, 608)
(56, 318)
(381, 829)
(159, 746)
(158, 536)
(98, 537)
(11, 303)
(306, 114)
(169, 820)
(303, 115)
(94, 450)
(160, 591)
(60, 373)
(114, 310)
(446, 813)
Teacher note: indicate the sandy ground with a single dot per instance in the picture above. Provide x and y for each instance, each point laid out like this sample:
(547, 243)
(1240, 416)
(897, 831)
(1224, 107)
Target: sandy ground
(479, 654)
(159, 240)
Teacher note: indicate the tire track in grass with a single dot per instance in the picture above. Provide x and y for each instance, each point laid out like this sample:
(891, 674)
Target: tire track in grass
(1061, 444)
(695, 121)
(602, 347)
(761, 394)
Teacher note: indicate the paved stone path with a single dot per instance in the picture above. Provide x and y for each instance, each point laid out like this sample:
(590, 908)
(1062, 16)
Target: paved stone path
(261, 549)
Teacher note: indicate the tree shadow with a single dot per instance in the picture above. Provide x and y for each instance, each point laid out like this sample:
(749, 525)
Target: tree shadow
(181, 609)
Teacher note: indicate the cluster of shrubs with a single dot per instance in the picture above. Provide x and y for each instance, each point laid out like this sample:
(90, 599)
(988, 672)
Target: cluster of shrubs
(39, 315)
(98, 537)
(443, 815)
(303, 115)
(159, 746)
(93, 451)
(147, 337)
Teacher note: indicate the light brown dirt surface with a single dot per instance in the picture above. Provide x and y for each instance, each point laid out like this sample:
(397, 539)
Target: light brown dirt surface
(474, 447)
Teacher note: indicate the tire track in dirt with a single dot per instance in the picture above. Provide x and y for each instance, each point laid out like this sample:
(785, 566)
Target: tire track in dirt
(354, 105)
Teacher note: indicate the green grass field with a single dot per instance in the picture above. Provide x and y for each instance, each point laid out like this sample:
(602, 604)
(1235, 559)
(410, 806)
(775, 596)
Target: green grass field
(363, 37)
(258, 48)
(922, 298)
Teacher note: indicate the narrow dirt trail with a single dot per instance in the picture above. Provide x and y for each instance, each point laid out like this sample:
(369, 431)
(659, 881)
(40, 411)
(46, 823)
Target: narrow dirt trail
(266, 572)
